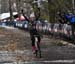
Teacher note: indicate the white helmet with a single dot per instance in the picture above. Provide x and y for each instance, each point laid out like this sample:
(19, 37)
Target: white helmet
(32, 15)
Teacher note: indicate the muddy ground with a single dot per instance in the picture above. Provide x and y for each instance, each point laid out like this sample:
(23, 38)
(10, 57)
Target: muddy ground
(15, 45)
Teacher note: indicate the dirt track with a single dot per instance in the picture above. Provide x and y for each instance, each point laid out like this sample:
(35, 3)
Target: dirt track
(15, 44)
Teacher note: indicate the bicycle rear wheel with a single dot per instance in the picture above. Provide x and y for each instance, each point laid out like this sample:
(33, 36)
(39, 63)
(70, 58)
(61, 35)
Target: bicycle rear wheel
(39, 50)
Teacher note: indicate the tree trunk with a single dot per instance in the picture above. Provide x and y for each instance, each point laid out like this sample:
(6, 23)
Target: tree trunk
(18, 7)
(10, 9)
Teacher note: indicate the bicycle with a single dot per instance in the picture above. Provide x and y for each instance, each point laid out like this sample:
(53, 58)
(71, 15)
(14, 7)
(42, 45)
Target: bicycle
(37, 45)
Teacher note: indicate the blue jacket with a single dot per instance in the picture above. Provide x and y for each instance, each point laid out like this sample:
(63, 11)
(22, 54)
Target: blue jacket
(73, 19)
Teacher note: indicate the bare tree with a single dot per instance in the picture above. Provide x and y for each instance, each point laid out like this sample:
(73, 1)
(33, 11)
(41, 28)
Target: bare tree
(10, 10)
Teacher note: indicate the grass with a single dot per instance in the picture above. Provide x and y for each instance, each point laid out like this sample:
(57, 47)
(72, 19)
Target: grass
(61, 43)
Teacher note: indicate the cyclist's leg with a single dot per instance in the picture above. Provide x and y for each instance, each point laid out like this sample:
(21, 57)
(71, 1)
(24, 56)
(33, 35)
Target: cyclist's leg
(33, 46)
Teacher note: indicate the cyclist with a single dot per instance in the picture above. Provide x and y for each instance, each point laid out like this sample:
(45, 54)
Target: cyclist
(32, 29)
(34, 33)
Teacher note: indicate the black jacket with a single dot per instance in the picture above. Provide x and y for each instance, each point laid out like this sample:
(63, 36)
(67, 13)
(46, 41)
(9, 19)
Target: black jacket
(34, 32)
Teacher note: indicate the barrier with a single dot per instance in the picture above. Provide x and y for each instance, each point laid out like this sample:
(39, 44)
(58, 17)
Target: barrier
(56, 30)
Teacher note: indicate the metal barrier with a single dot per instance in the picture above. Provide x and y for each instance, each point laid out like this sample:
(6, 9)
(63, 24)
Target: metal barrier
(53, 29)
(56, 30)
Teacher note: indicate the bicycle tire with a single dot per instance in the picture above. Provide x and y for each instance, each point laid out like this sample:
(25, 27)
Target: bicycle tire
(39, 50)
